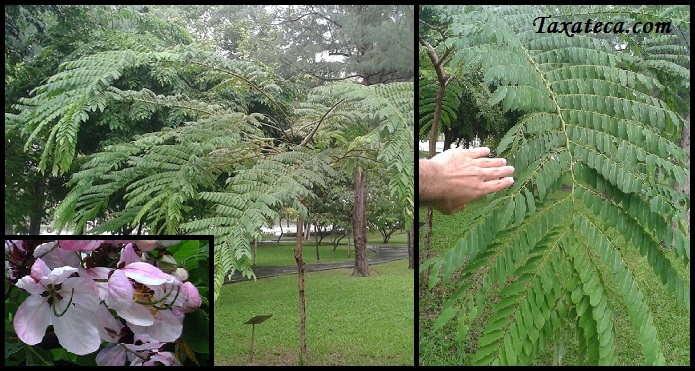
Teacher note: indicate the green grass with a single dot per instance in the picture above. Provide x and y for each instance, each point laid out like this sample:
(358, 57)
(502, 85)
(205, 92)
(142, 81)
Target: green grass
(350, 320)
(282, 253)
(671, 319)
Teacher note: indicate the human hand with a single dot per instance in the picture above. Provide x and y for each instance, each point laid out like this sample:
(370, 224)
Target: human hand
(455, 177)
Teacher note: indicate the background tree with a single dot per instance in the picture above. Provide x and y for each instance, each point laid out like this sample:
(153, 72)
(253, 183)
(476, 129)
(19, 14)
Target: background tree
(337, 42)
(382, 210)
(35, 52)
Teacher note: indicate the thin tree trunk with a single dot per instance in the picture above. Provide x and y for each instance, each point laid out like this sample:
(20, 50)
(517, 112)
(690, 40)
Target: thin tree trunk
(37, 211)
(438, 63)
(300, 275)
(427, 237)
(411, 256)
(255, 250)
(307, 231)
(359, 225)
(316, 235)
(348, 247)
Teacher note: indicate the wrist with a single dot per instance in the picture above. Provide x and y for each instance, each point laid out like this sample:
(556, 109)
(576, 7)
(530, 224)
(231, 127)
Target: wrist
(430, 191)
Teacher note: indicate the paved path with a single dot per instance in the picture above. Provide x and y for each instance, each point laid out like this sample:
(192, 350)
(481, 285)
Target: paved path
(376, 254)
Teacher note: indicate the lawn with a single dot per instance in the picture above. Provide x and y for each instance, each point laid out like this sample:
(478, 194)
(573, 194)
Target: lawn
(350, 320)
(671, 320)
(282, 253)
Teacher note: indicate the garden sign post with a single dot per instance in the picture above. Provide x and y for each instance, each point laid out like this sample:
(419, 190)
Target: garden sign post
(253, 321)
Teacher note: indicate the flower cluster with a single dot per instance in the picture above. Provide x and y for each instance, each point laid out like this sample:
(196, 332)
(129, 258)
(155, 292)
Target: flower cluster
(120, 291)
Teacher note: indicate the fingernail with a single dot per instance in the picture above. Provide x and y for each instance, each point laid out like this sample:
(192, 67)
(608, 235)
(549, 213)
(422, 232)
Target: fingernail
(511, 180)
(511, 168)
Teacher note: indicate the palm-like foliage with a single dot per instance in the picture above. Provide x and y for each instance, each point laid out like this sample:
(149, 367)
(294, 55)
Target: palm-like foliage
(600, 121)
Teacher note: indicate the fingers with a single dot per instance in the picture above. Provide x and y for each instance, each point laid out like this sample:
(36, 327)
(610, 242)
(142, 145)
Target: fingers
(491, 162)
(495, 173)
(477, 152)
(499, 184)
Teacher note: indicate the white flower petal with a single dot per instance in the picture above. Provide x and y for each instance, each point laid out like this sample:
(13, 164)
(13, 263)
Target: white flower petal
(77, 331)
(112, 355)
(39, 270)
(32, 318)
(136, 314)
(27, 283)
(109, 327)
(146, 273)
(84, 294)
(120, 291)
(57, 275)
(60, 258)
(166, 328)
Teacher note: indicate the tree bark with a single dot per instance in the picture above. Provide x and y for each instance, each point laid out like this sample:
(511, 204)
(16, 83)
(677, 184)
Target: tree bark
(359, 226)
(37, 209)
(300, 275)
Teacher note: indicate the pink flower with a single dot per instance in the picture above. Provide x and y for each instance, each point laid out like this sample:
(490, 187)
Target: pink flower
(67, 303)
(192, 299)
(55, 257)
(116, 354)
(148, 245)
(80, 245)
(143, 295)
(158, 359)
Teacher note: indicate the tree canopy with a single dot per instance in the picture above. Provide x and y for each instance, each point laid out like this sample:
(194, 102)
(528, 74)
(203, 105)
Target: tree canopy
(162, 133)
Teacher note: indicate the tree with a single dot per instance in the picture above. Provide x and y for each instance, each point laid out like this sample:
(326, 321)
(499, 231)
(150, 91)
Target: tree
(594, 120)
(40, 38)
(331, 209)
(226, 143)
(362, 41)
(382, 210)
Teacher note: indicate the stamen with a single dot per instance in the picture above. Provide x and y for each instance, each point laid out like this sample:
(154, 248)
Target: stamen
(160, 300)
(72, 295)
(170, 305)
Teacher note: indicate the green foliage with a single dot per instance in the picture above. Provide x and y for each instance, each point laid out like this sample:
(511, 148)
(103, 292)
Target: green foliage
(386, 115)
(451, 100)
(185, 140)
(593, 117)
(170, 181)
(250, 198)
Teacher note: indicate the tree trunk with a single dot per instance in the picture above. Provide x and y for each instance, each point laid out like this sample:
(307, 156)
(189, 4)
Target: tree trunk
(316, 235)
(348, 247)
(281, 232)
(411, 256)
(448, 138)
(359, 225)
(438, 62)
(300, 275)
(426, 244)
(37, 210)
(307, 231)
(255, 250)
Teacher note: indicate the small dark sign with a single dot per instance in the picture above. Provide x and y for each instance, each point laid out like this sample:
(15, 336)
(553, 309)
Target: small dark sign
(257, 320)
